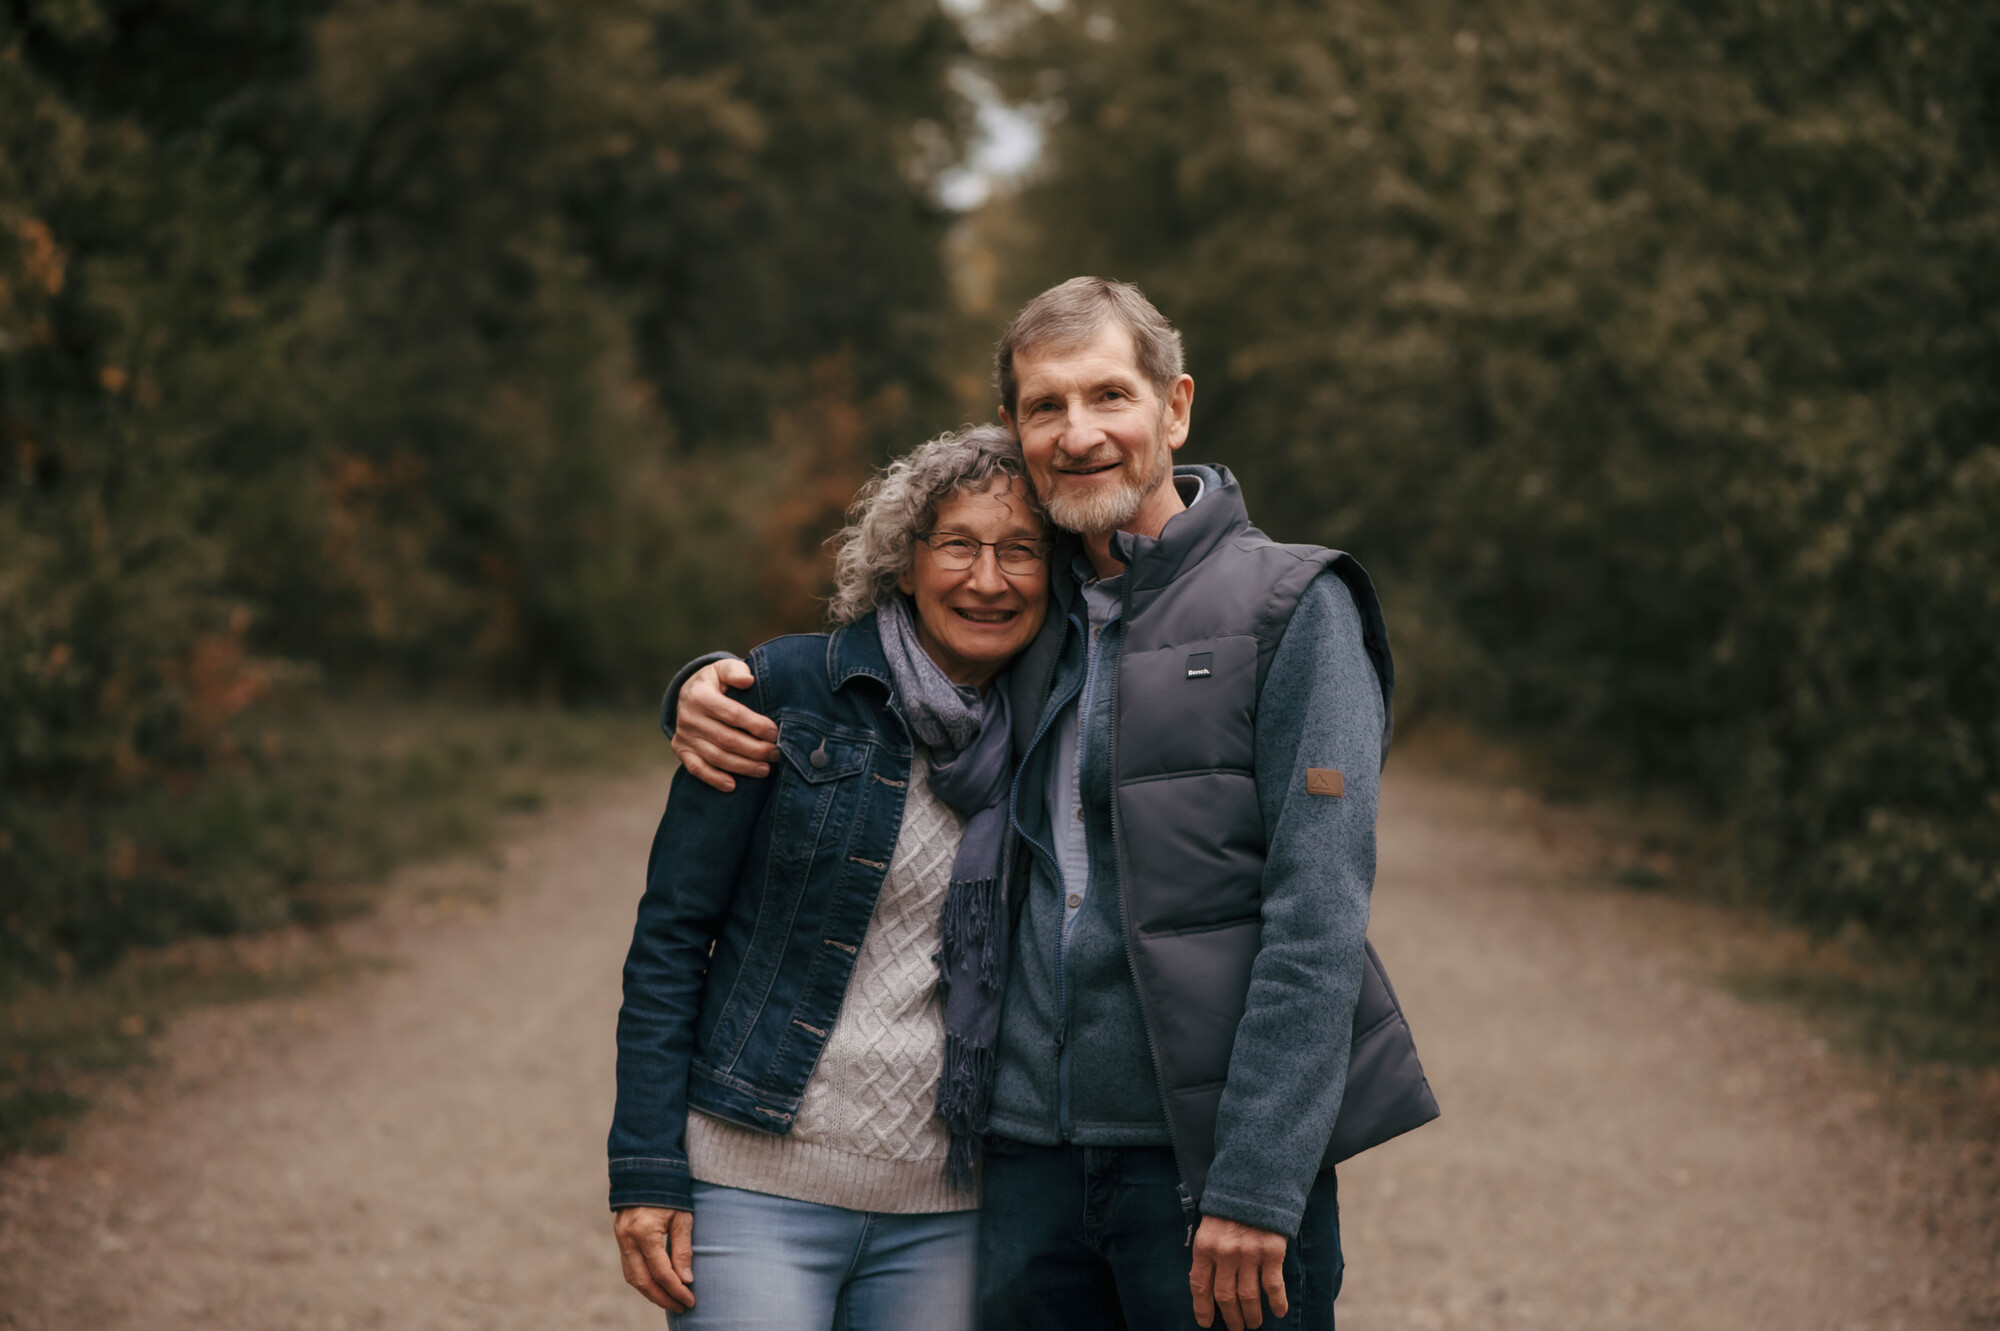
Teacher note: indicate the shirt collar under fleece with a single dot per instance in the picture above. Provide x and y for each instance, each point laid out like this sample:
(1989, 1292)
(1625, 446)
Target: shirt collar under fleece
(1192, 481)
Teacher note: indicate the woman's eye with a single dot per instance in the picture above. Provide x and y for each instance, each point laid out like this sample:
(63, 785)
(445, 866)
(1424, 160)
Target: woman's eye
(958, 549)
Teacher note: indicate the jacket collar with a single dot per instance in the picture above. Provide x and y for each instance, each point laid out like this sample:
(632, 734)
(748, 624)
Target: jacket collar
(1152, 563)
(855, 650)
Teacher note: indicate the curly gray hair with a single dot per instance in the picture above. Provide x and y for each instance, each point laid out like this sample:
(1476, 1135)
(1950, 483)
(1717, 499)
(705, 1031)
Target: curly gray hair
(874, 550)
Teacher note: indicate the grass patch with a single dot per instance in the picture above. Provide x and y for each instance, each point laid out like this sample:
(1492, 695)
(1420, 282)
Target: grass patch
(59, 1043)
(369, 786)
(1939, 1050)
(1942, 1056)
(229, 883)
(1877, 1017)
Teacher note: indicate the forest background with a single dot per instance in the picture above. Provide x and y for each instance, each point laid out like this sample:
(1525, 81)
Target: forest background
(361, 351)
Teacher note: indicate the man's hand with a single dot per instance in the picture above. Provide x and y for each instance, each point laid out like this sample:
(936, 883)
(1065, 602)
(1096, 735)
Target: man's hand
(715, 735)
(656, 1248)
(1233, 1264)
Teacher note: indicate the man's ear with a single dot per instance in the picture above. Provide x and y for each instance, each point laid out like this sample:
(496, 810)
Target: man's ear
(1007, 419)
(1180, 409)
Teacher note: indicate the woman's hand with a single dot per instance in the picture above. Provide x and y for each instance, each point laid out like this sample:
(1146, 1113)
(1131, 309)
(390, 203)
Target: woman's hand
(656, 1248)
(715, 735)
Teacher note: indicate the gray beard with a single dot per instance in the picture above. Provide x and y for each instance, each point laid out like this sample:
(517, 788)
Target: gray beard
(1100, 515)
(1095, 515)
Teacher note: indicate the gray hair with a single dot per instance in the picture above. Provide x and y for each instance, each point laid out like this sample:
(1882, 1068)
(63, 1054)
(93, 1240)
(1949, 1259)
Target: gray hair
(1068, 316)
(875, 549)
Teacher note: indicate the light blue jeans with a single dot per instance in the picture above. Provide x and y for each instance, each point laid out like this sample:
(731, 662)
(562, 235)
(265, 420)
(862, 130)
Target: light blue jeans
(773, 1264)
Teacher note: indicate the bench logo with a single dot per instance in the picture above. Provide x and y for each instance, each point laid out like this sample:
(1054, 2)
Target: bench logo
(1198, 665)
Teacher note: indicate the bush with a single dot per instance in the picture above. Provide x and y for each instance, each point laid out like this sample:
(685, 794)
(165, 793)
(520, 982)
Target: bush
(414, 346)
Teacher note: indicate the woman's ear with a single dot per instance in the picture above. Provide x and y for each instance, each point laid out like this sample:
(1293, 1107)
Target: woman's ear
(907, 584)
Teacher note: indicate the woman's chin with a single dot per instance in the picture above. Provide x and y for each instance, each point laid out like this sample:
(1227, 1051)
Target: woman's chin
(987, 655)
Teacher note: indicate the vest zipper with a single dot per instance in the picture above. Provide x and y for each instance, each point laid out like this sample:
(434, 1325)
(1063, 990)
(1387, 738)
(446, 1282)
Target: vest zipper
(1188, 1208)
(1062, 894)
(1092, 645)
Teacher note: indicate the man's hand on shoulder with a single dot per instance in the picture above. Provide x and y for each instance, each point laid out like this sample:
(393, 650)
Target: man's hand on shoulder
(1237, 1268)
(714, 735)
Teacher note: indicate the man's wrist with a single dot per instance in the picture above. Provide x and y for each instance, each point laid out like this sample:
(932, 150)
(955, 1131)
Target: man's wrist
(1258, 1213)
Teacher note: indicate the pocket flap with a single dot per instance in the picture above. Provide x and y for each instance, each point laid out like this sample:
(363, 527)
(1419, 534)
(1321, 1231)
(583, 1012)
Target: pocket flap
(818, 755)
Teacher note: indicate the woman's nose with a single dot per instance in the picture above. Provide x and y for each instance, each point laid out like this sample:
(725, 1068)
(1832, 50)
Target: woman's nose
(985, 574)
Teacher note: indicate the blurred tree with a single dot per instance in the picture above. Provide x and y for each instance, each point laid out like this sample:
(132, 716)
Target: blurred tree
(1650, 347)
(418, 341)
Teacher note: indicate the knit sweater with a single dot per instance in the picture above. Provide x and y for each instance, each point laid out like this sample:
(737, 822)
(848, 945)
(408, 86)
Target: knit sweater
(866, 1136)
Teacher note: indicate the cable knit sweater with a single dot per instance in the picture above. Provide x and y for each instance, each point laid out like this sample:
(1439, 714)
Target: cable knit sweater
(866, 1136)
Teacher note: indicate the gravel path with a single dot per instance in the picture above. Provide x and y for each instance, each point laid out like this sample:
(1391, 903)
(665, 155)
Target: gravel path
(1623, 1144)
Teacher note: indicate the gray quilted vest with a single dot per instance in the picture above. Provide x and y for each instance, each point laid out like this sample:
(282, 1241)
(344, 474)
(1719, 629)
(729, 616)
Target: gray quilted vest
(1204, 614)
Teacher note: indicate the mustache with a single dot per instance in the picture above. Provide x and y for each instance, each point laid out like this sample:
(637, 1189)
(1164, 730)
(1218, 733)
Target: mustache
(1090, 463)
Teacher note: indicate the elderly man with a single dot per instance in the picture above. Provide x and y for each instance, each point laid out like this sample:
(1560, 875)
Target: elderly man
(1195, 1029)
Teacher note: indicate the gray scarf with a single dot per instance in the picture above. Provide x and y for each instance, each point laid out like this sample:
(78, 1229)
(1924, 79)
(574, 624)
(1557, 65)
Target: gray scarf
(972, 759)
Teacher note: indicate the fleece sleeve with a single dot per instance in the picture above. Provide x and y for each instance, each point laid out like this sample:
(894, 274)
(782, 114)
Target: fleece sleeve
(1321, 708)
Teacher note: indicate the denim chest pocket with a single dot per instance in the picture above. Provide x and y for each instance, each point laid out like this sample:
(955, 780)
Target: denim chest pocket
(819, 753)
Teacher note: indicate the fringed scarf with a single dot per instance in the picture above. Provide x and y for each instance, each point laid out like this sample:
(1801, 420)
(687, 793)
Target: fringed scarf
(971, 747)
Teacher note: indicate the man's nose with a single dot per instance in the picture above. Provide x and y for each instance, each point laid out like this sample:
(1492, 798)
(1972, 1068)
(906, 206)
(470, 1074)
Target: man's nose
(1078, 434)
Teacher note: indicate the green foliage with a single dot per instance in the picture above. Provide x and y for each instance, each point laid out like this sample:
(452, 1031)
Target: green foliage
(1651, 345)
(299, 812)
(404, 344)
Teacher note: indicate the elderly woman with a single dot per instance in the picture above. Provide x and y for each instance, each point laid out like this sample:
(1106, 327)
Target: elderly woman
(813, 987)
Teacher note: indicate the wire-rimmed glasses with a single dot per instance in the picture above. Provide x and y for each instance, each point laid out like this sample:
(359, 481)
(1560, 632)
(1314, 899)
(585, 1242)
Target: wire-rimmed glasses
(955, 552)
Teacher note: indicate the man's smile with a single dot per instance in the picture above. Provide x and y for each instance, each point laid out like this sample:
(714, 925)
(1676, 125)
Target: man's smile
(1089, 468)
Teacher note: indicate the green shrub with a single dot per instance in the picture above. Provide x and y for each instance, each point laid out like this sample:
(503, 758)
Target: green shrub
(1649, 348)
(411, 346)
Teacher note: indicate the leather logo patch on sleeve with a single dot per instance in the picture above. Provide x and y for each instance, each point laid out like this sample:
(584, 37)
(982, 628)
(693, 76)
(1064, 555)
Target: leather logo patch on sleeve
(1324, 781)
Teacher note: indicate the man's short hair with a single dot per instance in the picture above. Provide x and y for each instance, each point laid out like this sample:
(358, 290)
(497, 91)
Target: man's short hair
(1066, 317)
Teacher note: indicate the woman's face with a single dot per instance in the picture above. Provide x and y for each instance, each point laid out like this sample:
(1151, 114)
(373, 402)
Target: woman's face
(971, 621)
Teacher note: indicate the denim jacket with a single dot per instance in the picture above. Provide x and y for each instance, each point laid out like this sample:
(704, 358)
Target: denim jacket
(755, 907)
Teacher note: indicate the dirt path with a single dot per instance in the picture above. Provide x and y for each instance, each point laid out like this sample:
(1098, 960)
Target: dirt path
(1623, 1146)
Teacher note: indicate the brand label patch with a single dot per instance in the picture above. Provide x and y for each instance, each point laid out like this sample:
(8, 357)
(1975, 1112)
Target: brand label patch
(1198, 665)
(1325, 781)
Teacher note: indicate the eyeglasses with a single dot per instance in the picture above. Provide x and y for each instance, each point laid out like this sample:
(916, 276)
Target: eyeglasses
(955, 553)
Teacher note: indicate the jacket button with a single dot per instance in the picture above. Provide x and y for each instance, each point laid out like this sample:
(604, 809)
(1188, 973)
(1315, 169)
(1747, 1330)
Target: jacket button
(818, 756)
(1075, 900)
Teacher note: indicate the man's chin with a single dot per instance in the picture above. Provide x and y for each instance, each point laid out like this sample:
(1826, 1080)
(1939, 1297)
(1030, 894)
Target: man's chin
(1096, 514)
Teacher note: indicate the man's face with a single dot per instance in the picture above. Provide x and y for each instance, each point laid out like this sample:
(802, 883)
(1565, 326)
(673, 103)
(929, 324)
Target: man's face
(1098, 437)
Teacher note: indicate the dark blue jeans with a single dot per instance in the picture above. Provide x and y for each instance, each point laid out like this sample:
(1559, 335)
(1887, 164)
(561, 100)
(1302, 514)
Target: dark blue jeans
(1091, 1237)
